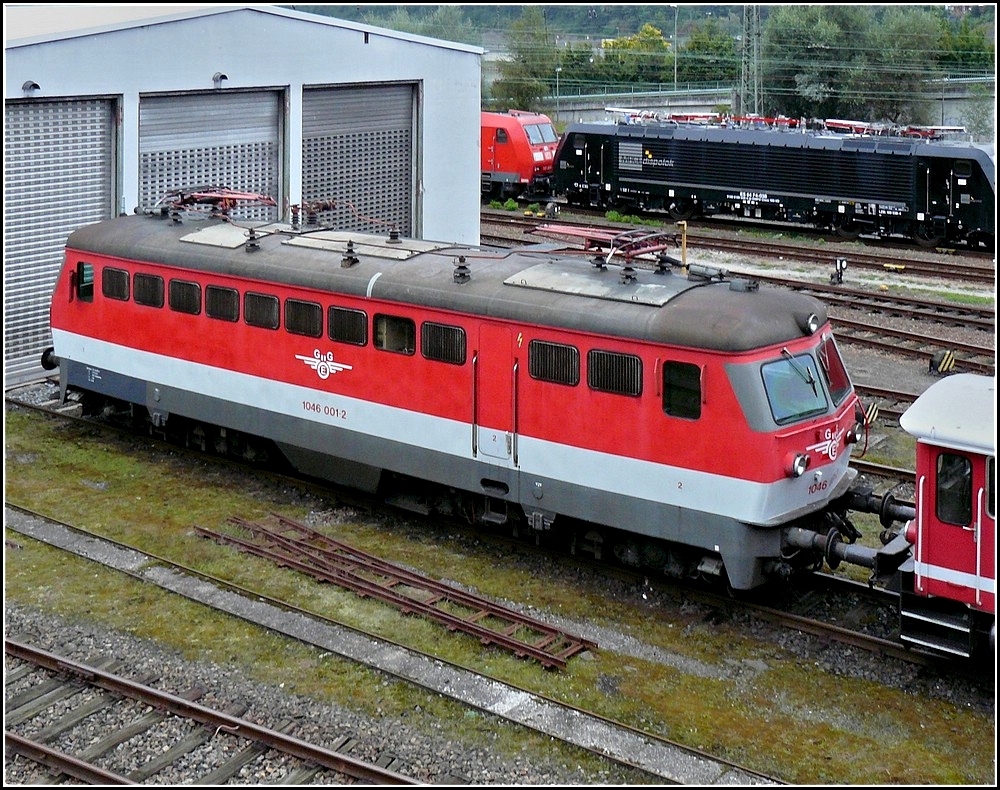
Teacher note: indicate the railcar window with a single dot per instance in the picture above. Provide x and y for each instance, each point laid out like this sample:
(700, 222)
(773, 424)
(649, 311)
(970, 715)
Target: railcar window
(84, 281)
(682, 390)
(834, 370)
(793, 389)
(534, 133)
(222, 303)
(442, 343)
(147, 289)
(610, 371)
(114, 283)
(501, 135)
(303, 318)
(954, 489)
(963, 168)
(394, 333)
(554, 362)
(348, 326)
(260, 310)
(184, 297)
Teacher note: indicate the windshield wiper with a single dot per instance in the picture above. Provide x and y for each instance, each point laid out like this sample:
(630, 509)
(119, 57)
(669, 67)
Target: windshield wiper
(804, 373)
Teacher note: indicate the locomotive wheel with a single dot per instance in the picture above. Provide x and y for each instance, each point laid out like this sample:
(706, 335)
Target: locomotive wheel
(681, 210)
(924, 235)
(847, 230)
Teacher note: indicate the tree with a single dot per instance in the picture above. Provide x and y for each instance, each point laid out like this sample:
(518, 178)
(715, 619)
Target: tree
(524, 78)
(708, 55)
(636, 59)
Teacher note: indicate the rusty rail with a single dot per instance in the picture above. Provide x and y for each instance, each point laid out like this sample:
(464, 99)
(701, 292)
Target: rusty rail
(299, 547)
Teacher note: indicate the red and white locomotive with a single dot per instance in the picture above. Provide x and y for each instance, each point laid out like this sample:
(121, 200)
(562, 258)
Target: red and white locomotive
(517, 149)
(948, 585)
(686, 421)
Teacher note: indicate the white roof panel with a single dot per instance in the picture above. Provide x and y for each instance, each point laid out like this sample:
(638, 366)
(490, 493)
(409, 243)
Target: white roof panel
(959, 411)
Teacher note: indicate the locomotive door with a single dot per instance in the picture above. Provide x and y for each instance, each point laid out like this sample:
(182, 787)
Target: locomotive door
(494, 400)
(955, 557)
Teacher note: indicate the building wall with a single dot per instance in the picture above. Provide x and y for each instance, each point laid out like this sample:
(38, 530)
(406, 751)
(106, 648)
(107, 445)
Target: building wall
(51, 79)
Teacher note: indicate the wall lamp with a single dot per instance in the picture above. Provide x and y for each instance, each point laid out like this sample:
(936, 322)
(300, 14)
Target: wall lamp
(218, 78)
(30, 86)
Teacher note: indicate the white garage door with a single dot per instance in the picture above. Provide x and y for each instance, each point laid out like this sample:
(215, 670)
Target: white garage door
(229, 140)
(59, 174)
(357, 152)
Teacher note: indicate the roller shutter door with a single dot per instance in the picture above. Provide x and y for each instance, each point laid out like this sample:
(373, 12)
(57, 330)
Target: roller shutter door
(59, 174)
(227, 140)
(357, 151)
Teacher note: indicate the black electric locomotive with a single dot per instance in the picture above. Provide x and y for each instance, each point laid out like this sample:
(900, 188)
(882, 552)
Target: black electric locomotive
(936, 193)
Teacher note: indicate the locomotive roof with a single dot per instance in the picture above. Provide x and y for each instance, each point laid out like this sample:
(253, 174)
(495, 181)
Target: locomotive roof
(536, 284)
(958, 411)
(894, 146)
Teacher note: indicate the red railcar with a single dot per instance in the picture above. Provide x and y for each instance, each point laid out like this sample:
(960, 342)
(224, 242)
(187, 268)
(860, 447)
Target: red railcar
(517, 150)
(948, 600)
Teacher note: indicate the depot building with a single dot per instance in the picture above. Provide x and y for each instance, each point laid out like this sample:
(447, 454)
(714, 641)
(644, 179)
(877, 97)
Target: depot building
(108, 109)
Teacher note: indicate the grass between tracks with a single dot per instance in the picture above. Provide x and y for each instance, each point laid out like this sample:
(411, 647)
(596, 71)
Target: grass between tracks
(719, 689)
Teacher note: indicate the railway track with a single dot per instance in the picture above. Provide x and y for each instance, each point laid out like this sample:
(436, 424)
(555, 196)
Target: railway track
(49, 696)
(662, 759)
(294, 545)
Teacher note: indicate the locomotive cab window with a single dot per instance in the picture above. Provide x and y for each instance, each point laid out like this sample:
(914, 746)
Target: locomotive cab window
(147, 289)
(184, 297)
(348, 326)
(554, 362)
(260, 310)
(442, 343)
(793, 388)
(114, 284)
(303, 318)
(83, 282)
(222, 303)
(394, 333)
(682, 390)
(834, 371)
(501, 135)
(954, 489)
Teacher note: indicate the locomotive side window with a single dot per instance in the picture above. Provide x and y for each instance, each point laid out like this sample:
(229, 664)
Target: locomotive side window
(348, 326)
(609, 371)
(303, 318)
(184, 297)
(834, 370)
(84, 283)
(793, 390)
(222, 303)
(954, 489)
(114, 284)
(554, 362)
(682, 390)
(147, 289)
(393, 333)
(442, 343)
(260, 310)
(501, 135)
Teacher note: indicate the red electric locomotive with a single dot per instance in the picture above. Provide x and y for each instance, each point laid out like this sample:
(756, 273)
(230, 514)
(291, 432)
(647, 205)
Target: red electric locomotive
(690, 422)
(517, 149)
(948, 595)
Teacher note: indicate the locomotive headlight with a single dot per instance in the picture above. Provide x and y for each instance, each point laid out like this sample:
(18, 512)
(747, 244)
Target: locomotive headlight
(809, 323)
(796, 465)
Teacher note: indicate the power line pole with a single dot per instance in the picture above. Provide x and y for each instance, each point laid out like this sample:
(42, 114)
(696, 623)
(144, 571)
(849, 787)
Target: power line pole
(750, 90)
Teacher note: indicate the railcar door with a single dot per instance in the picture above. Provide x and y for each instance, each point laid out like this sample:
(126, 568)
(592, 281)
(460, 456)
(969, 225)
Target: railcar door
(494, 397)
(956, 525)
